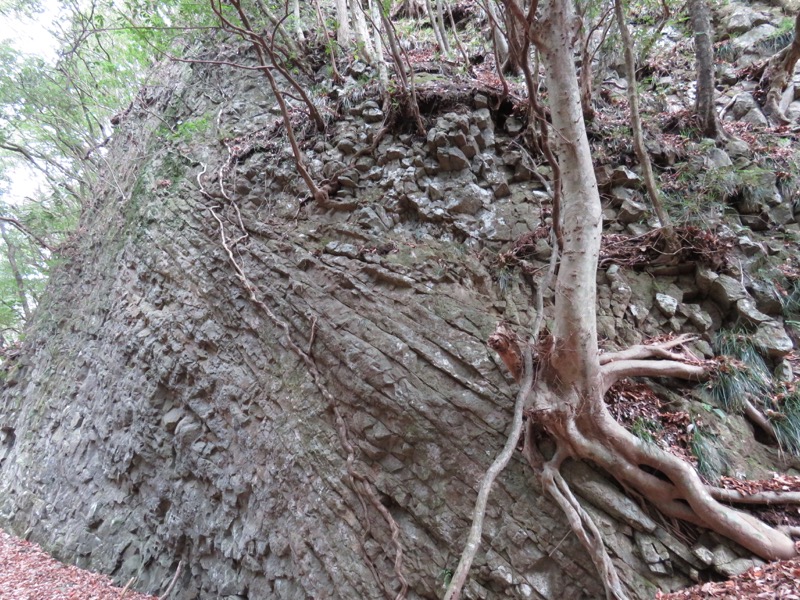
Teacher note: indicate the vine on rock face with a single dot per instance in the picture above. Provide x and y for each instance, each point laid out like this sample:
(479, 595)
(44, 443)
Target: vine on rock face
(359, 482)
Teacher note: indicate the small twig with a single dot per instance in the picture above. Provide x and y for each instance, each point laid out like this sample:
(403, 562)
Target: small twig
(127, 586)
(313, 334)
(558, 545)
(172, 583)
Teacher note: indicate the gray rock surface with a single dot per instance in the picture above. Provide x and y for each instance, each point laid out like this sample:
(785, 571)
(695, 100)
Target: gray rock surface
(169, 405)
(159, 412)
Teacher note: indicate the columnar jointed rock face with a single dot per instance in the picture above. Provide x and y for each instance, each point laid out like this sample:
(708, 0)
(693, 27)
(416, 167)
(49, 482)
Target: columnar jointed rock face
(158, 414)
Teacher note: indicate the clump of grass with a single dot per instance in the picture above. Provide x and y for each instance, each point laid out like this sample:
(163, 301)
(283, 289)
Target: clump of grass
(646, 429)
(742, 376)
(710, 464)
(786, 422)
(790, 302)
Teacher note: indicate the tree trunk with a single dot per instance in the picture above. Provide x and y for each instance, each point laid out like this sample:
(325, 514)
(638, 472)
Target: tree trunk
(516, 43)
(638, 133)
(575, 332)
(439, 17)
(376, 21)
(777, 76)
(344, 34)
(409, 9)
(499, 41)
(11, 256)
(298, 22)
(704, 58)
(438, 31)
(363, 38)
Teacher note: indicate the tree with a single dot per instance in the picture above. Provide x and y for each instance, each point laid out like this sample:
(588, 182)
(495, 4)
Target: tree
(638, 133)
(563, 386)
(778, 74)
(704, 59)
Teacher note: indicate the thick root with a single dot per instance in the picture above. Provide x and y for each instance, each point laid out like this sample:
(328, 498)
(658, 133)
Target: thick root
(582, 525)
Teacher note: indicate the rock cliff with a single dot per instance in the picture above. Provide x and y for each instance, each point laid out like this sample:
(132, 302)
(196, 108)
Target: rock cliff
(228, 375)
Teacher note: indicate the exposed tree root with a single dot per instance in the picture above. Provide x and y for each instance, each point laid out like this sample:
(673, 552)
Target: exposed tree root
(582, 525)
(752, 412)
(582, 428)
(760, 498)
(474, 538)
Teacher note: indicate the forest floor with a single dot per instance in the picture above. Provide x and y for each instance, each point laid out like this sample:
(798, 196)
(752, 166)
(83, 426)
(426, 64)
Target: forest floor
(776, 580)
(28, 573)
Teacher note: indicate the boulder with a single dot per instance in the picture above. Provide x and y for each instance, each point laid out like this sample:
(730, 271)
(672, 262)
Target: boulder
(666, 304)
(771, 338)
(451, 159)
(632, 211)
(727, 291)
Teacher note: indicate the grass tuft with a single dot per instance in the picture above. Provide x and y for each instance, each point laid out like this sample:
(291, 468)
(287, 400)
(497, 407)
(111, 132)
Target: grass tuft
(744, 375)
(646, 429)
(710, 464)
(786, 422)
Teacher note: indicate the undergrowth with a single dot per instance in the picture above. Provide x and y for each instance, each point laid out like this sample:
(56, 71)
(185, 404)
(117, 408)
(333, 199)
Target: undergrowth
(742, 375)
(786, 421)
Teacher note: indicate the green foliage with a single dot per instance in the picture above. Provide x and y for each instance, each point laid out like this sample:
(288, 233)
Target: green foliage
(192, 129)
(646, 429)
(697, 194)
(55, 118)
(28, 8)
(786, 421)
(689, 208)
(24, 265)
(745, 375)
(790, 302)
(701, 444)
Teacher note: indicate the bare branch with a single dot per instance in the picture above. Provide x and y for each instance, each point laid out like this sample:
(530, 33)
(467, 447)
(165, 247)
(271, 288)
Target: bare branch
(15, 223)
(172, 583)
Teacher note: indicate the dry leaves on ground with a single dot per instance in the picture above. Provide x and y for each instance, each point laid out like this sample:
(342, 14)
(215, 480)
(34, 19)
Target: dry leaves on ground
(775, 581)
(778, 483)
(28, 573)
